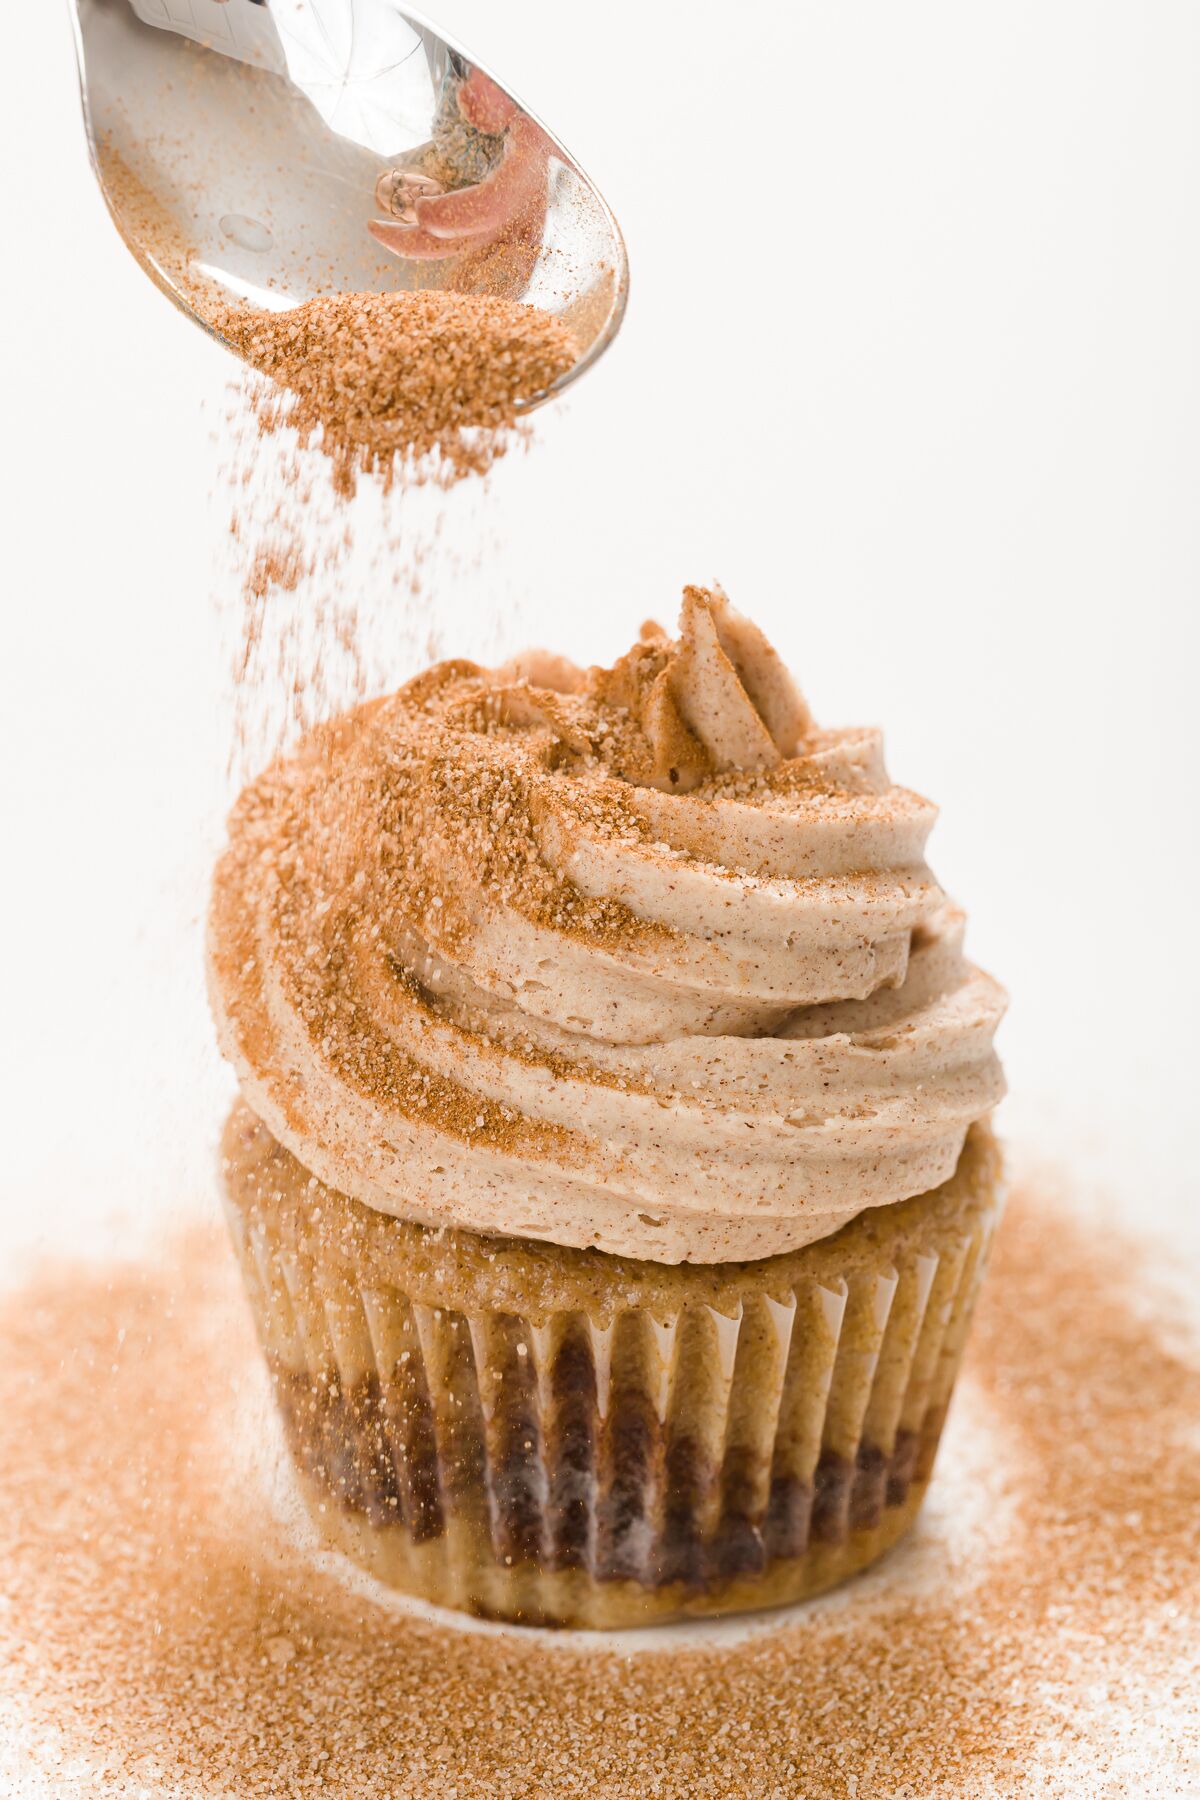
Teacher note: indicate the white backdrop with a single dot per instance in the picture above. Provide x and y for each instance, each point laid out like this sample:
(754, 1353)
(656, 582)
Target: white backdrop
(910, 365)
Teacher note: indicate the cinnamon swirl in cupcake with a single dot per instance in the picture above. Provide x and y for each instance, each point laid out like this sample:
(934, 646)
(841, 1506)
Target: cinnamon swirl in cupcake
(612, 1178)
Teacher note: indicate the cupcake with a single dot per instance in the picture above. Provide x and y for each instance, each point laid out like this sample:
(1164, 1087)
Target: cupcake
(612, 1177)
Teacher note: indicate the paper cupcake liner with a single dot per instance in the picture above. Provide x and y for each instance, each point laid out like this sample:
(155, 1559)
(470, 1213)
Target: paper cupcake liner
(615, 1463)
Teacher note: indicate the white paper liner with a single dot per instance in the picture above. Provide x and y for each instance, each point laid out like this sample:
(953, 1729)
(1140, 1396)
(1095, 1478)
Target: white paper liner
(569, 1469)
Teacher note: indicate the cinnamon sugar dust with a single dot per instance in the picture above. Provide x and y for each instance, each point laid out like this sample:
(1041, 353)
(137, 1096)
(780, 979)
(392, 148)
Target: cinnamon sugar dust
(166, 1629)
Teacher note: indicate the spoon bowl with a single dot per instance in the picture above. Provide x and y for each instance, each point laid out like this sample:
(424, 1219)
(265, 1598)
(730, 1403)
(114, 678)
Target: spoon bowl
(261, 152)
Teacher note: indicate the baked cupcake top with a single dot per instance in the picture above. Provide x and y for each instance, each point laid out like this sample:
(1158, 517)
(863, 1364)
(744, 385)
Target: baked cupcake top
(637, 957)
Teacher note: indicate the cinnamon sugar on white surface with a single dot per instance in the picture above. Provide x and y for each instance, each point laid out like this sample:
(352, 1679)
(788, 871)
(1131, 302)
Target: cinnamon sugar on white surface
(165, 1630)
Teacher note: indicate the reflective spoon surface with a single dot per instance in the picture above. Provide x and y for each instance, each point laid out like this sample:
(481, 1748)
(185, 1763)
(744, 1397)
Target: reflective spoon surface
(263, 151)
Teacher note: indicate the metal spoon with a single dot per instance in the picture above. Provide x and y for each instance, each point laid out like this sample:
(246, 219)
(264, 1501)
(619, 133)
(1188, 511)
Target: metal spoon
(263, 151)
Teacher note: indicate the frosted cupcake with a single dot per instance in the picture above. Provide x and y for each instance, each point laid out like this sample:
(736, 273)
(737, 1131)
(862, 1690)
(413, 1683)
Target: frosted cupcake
(612, 1179)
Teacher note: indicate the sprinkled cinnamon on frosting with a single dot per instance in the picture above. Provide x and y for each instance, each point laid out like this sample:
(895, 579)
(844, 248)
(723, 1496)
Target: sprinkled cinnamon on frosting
(509, 948)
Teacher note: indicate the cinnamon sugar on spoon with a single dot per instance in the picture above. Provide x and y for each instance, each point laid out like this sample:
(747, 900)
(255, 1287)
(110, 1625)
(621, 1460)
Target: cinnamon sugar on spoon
(384, 380)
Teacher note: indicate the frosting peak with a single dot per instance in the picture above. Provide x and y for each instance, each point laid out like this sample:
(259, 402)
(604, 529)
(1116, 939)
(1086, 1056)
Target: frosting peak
(636, 957)
(717, 698)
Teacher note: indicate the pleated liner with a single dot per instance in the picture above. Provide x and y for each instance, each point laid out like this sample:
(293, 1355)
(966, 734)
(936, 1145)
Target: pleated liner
(609, 1471)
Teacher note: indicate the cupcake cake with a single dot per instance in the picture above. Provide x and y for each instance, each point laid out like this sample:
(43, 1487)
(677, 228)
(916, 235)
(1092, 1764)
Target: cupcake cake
(612, 1177)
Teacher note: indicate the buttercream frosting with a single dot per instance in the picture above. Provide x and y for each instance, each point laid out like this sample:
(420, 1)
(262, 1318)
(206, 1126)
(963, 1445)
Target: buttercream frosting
(638, 958)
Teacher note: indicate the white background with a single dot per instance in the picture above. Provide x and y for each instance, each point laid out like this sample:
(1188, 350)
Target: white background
(910, 365)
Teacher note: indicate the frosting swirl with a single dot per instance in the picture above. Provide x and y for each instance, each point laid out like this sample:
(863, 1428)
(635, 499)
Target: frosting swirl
(637, 958)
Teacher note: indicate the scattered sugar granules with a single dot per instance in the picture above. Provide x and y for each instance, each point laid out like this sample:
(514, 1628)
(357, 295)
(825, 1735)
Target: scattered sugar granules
(161, 1634)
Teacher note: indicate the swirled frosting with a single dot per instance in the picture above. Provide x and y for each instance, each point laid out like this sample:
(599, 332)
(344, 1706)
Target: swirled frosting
(636, 957)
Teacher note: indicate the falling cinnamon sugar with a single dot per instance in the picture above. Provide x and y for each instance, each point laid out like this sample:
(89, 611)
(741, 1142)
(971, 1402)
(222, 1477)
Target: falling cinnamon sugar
(407, 389)
(387, 380)
(411, 388)
(163, 1632)
(282, 564)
